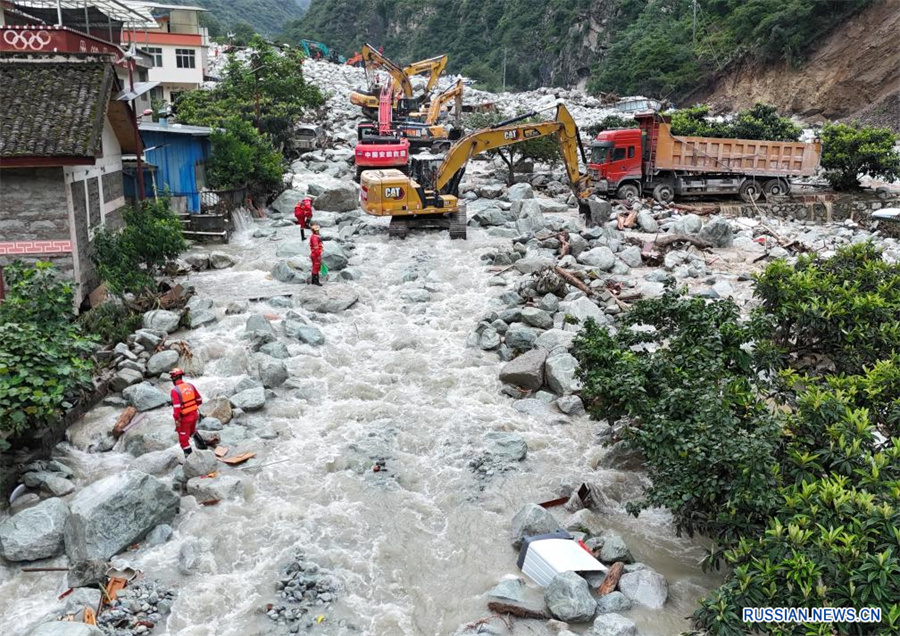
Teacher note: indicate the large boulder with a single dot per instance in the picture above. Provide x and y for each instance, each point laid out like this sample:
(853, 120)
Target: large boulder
(310, 334)
(645, 587)
(35, 533)
(520, 191)
(124, 379)
(162, 362)
(530, 217)
(327, 300)
(111, 514)
(537, 318)
(615, 549)
(560, 371)
(272, 371)
(287, 201)
(613, 602)
(507, 447)
(582, 309)
(59, 628)
(333, 256)
(718, 232)
(600, 257)
(250, 399)
(289, 249)
(520, 338)
(217, 407)
(555, 339)
(529, 521)
(600, 210)
(216, 488)
(158, 462)
(612, 625)
(145, 396)
(526, 371)
(200, 463)
(155, 433)
(221, 260)
(341, 197)
(568, 598)
(688, 224)
(161, 320)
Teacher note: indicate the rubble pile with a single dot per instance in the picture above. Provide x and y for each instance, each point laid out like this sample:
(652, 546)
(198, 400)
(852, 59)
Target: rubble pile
(307, 590)
(137, 609)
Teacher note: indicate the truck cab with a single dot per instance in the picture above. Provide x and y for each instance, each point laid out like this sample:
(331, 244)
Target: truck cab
(615, 163)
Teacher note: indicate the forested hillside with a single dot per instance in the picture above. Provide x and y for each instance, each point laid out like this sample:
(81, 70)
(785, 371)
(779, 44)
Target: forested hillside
(655, 47)
(265, 16)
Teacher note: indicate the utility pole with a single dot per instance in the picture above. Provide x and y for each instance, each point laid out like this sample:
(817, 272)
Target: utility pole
(694, 3)
(504, 69)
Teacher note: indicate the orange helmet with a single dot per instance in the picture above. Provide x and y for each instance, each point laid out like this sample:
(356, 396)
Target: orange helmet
(176, 373)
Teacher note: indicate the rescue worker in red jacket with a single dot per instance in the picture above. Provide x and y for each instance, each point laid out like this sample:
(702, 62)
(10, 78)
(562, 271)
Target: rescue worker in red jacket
(186, 403)
(303, 212)
(315, 253)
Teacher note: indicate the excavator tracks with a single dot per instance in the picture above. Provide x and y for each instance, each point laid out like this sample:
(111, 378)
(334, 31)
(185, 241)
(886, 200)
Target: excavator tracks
(455, 223)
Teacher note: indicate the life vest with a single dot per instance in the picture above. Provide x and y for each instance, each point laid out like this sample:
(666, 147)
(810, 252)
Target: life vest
(188, 395)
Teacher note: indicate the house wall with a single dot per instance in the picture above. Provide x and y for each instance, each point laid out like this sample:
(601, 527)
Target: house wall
(177, 157)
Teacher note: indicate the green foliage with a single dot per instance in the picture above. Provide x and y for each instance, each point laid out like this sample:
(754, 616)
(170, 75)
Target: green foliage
(611, 122)
(760, 122)
(265, 16)
(240, 155)
(110, 323)
(849, 150)
(128, 260)
(777, 436)
(544, 149)
(44, 358)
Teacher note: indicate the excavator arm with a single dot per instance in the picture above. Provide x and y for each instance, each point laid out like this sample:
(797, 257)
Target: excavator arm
(508, 133)
(434, 66)
(434, 110)
(374, 60)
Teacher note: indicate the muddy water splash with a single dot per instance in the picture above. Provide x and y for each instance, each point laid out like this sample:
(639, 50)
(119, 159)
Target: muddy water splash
(414, 546)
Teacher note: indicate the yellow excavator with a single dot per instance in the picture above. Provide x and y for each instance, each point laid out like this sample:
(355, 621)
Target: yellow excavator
(400, 78)
(431, 199)
(424, 128)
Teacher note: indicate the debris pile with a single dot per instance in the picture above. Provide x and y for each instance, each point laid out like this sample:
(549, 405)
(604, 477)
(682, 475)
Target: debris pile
(308, 591)
(136, 610)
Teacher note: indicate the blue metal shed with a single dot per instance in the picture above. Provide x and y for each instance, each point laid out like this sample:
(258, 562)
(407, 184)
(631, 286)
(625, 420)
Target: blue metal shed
(179, 153)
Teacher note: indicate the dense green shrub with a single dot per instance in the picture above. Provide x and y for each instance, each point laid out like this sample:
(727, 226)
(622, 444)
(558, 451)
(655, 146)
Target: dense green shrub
(759, 122)
(611, 122)
(241, 156)
(110, 323)
(128, 260)
(540, 149)
(44, 357)
(849, 150)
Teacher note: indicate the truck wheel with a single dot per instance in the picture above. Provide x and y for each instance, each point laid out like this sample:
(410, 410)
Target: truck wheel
(776, 188)
(628, 191)
(664, 193)
(750, 190)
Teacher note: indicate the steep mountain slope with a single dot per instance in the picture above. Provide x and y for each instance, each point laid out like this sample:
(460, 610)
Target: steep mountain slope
(265, 16)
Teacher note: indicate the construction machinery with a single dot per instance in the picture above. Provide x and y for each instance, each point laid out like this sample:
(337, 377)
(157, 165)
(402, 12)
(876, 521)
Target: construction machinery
(650, 159)
(430, 198)
(320, 51)
(373, 60)
(424, 129)
(434, 66)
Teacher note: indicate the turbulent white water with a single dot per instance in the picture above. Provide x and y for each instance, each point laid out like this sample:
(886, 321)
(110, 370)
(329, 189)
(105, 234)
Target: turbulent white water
(414, 547)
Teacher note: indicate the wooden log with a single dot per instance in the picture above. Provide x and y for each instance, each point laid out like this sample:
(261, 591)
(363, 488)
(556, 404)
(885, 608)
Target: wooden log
(45, 569)
(565, 246)
(123, 421)
(669, 239)
(611, 581)
(516, 610)
(570, 278)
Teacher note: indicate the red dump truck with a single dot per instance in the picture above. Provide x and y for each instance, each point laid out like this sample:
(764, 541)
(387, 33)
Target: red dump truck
(650, 160)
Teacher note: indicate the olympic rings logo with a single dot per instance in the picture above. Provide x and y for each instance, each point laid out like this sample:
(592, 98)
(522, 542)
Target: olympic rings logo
(22, 40)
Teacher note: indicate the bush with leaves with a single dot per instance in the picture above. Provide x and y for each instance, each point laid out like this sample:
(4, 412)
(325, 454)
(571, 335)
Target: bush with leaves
(760, 122)
(241, 156)
(611, 122)
(540, 149)
(128, 260)
(44, 357)
(110, 323)
(850, 150)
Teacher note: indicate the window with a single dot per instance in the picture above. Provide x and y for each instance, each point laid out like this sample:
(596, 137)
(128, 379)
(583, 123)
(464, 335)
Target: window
(155, 54)
(618, 154)
(184, 58)
(630, 152)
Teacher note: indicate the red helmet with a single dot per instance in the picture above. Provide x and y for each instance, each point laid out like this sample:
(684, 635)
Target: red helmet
(176, 373)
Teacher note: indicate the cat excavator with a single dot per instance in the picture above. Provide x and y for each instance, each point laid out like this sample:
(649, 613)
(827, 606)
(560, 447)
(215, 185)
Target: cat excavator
(400, 78)
(430, 198)
(425, 130)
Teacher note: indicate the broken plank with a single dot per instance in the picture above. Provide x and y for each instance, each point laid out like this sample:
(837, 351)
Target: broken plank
(553, 502)
(237, 459)
(611, 581)
(123, 421)
(221, 451)
(516, 610)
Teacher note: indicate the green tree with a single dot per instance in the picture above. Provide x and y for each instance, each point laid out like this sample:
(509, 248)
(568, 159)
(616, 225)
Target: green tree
(850, 150)
(762, 121)
(241, 156)
(539, 149)
(128, 260)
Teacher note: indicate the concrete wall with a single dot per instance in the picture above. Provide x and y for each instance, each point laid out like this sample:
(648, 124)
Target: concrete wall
(816, 208)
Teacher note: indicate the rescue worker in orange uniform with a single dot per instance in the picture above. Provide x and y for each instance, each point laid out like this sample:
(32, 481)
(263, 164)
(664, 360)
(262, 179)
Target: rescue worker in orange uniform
(303, 212)
(186, 403)
(315, 253)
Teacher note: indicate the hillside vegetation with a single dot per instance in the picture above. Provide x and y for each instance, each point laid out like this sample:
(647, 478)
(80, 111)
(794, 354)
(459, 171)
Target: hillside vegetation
(621, 46)
(265, 16)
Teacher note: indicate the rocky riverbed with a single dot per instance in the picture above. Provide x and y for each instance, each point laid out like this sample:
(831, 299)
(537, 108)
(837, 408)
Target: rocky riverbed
(404, 420)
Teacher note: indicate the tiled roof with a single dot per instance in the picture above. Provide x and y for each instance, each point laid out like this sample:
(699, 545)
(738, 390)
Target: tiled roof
(53, 109)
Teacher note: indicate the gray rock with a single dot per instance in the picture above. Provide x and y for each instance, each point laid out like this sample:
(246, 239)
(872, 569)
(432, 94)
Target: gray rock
(58, 628)
(265, 232)
(272, 372)
(161, 320)
(526, 371)
(688, 224)
(570, 405)
(631, 256)
(520, 192)
(57, 486)
(530, 520)
(246, 382)
(82, 597)
(600, 257)
(582, 309)
(718, 232)
(199, 463)
(614, 549)
(612, 625)
(568, 598)
(509, 590)
(197, 261)
(560, 371)
(537, 318)
(286, 201)
(508, 447)
(162, 362)
(202, 317)
(530, 216)
(310, 334)
(549, 303)
(199, 304)
(157, 462)
(236, 307)
(288, 272)
(218, 407)
(288, 249)
(341, 197)
(276, 350)
(334, 257)
(221, 260)
(221, 487)
(209, 424)
(250, 400)
(258, 322)
(647, 223)
(600, 210)
(488, 339)
(645, 587)
(111, 514)
(145, 397)
(88, 572)
(147, 339)
(613, 602)
(555, 339)
(532, 264)
(282, 302)
(35, 533)
(160, 534)
(531, 406)
(124, 379)
(520, 338)
(327, 300)
(415, 295)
